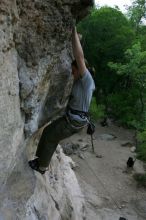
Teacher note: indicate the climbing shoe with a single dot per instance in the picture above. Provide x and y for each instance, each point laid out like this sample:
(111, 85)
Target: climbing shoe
(34, 164)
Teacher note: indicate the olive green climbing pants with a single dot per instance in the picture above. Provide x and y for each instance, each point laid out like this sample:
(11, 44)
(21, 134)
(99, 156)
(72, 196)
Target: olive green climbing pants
(52, 134)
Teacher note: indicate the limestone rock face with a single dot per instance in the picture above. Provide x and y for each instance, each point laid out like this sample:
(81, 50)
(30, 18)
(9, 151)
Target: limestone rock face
(42, 38)
(53, 196)
(35, 82)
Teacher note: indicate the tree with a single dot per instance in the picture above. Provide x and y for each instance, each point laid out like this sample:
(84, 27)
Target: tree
(133, 71)
(137, 12)
(141, 36)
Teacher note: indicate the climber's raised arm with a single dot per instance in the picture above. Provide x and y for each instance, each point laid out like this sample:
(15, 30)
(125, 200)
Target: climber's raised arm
(78, 52)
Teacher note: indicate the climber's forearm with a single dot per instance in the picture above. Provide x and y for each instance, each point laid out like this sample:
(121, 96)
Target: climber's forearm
(77, 48)
(78, 52)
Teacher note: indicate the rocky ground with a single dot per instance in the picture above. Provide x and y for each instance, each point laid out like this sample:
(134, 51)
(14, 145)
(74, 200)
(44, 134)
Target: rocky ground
(110, 192)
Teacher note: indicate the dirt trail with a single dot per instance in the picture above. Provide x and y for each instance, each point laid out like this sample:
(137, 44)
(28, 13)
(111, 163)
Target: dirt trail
(110, 192)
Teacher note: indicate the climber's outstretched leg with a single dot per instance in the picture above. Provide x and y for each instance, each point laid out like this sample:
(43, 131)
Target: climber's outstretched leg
(49, 140)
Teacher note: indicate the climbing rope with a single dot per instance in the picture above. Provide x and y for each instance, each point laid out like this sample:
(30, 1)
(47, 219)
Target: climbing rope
(112, 199)
(92, 143)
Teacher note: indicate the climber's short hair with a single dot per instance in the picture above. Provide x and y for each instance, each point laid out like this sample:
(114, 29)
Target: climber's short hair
(74, 63)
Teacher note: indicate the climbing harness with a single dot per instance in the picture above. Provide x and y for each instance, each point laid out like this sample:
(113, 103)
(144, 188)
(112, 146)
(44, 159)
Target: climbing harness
(82, 114)
(90, 124)
(74, 123)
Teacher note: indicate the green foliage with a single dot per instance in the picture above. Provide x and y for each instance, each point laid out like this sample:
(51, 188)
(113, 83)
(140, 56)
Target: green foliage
(142, 36)
(96, 111)
(140, 178)
(142, 136)
(137, 12)
(105, 38)
(141, 150)
(121, 107)
(130, 101)
(135, 64)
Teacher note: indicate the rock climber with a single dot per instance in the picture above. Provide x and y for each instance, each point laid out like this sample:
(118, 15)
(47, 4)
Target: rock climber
(76, 115)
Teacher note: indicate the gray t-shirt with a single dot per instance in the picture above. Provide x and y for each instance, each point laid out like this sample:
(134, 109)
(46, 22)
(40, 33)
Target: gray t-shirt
(81, 95)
